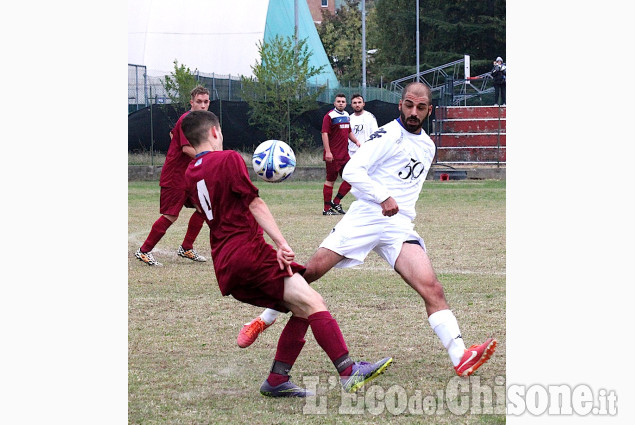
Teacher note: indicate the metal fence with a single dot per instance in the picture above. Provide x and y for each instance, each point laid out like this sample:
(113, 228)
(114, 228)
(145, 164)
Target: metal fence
(146, 86)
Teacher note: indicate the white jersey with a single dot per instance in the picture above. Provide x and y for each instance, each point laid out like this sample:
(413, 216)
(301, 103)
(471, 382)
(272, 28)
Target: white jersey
(392, 163)
(362, 126)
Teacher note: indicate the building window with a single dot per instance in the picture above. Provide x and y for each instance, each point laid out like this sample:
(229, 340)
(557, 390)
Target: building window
(325, 3)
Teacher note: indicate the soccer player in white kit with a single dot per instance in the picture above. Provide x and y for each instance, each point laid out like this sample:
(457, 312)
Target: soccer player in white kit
(363, 123)
(386, 174)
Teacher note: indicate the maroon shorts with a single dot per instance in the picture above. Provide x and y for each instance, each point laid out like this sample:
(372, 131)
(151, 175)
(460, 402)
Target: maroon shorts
(334, 168)
(173, 200)
(260, 282)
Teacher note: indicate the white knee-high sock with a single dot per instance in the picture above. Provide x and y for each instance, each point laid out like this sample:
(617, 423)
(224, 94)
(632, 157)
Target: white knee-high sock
(269, 315)
(446, 327)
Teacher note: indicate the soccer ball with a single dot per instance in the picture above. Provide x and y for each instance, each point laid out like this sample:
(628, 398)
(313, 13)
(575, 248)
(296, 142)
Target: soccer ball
(274, 161)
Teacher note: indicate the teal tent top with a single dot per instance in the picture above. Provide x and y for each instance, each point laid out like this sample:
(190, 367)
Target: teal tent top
(281, 21)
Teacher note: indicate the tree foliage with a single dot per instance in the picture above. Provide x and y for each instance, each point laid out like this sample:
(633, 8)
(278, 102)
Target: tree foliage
(179, 84)
(448, 30)
(341, 35)
(278, 92)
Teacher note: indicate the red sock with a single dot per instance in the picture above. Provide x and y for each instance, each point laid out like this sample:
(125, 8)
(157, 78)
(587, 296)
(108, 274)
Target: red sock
(290, 344)
(345, 187)
(156, 233)
(193, 228)
(328, 335)
(327, 192)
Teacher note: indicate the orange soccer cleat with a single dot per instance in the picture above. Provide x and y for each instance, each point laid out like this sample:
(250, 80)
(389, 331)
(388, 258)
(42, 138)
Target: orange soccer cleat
(475, 356)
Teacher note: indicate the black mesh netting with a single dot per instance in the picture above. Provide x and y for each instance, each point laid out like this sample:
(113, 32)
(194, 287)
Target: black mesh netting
(237, 132)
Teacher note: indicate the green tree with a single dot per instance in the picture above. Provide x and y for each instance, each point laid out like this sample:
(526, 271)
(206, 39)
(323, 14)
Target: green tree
(178, 86)
(341, 36)
(448, 30)
(278, 92)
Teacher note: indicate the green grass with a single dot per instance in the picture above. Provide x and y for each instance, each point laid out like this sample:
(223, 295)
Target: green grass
(185, 366)
(304, 158)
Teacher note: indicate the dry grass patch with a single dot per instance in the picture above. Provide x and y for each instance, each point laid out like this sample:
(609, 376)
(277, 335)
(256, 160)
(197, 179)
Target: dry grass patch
(185, 366)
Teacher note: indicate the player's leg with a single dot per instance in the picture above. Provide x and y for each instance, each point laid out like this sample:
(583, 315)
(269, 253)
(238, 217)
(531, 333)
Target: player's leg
(170, 204)
(194, 226)
(321, 262)
(415, 268)
(327, 190)
(304, 301)
(157, 231)
(345, 187)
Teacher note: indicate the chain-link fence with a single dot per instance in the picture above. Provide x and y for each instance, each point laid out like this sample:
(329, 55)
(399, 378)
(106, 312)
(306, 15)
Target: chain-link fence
(146, 87)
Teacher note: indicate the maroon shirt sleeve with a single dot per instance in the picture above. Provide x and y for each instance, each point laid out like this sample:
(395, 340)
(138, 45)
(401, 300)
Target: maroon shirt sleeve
(326, 123)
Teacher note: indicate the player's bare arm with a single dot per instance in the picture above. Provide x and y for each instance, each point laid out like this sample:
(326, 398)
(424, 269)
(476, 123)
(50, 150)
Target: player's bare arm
(265, 219)
(327, 148)
(353, 139)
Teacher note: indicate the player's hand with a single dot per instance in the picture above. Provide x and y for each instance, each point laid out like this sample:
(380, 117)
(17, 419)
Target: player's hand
(389, 207)
(328, 156)
(285, 257)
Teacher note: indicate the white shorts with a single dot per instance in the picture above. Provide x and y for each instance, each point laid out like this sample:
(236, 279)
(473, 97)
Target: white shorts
(363, 229)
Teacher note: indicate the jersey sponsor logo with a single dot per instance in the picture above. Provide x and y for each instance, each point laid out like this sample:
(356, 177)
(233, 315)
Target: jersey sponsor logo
(377, 134)
(340, 120)
(344, 126)
(412, 170)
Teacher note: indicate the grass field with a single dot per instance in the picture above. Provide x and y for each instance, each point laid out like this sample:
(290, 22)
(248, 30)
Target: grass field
(185, 366)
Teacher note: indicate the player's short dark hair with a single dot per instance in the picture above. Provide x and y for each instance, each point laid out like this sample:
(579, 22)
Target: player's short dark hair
(196, 124)
(356, 95)
(198, 90)
(340, 95)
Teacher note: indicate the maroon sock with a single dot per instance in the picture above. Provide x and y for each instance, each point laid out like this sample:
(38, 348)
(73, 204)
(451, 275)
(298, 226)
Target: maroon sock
(193, 228)
(345, 187)
(328, 335)
(327, 192)
(290, 344)
(156, 233)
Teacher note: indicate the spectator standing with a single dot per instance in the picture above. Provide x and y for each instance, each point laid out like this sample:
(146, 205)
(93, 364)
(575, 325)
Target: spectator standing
(363, 123)
(499, 74)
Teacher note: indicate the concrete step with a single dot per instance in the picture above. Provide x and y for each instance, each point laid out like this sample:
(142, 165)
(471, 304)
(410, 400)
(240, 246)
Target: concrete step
(471, 154)
(469, 139)
(467, 125)
(453, 112)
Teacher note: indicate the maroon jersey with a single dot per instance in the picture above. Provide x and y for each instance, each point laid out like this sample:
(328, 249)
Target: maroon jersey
(218, 182)
(176, 161)
(337, 124)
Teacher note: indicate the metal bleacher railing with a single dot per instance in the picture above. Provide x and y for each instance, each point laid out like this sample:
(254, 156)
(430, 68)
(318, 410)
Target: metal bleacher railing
(448, 84)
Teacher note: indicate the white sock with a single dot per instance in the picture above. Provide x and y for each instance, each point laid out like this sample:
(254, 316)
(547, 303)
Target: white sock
(446, 327)
(269, 315)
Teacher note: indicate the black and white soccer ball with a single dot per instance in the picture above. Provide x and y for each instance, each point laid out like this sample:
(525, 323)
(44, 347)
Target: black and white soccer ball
(273, 161)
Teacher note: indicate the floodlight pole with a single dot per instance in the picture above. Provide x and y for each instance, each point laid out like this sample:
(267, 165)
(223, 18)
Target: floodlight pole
(151, 132)
(417, 40)
(364, 49)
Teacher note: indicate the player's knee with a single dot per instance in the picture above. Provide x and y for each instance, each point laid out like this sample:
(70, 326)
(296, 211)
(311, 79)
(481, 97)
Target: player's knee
(435, 289)
(316, 302)
(172, 218)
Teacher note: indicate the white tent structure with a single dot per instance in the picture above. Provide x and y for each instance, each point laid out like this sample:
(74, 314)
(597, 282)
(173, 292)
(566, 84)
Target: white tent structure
(216, 36)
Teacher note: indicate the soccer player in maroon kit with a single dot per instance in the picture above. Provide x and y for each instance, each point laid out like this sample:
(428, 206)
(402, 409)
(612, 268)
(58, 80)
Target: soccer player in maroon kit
(173, 194)
(336, 131)
(254, 272)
